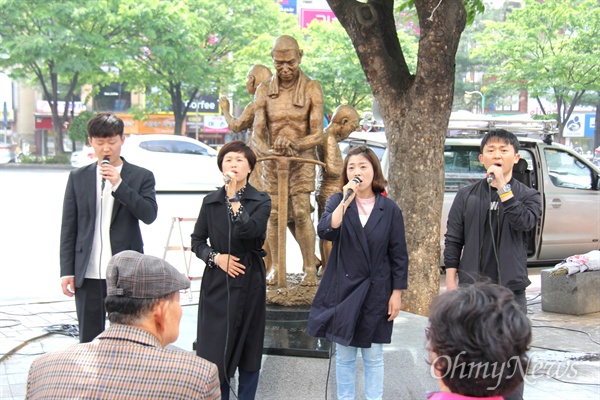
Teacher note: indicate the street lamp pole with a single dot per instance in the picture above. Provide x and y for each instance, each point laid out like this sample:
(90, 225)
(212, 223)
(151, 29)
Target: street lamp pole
(197, 122)
(482, 98)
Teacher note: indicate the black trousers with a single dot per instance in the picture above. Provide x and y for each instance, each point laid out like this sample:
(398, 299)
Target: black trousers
(91, 314)
(247, 385)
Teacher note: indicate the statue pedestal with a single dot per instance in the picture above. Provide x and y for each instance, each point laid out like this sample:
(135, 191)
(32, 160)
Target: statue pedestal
(285, 334)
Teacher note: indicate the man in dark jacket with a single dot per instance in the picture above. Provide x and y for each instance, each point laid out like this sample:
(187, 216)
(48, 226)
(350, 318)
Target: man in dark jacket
(488, 223)
(103, 205)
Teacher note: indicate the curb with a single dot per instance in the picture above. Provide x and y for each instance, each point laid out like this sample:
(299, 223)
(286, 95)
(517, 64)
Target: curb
(17, 166)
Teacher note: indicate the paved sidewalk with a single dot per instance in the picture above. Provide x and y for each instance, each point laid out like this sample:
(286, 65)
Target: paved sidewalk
(565, 353)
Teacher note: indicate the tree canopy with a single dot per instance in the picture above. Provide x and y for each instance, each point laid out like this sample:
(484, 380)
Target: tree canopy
(57, 45)
(550, 48)
(331, 60)
(183, 48)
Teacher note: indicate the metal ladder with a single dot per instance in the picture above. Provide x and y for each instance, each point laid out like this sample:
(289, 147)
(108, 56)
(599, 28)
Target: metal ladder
(186, 251)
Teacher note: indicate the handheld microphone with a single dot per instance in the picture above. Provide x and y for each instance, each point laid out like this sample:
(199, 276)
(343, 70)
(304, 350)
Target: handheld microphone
(105, 161)
(350, 191)
(227, 179)
(491, 176)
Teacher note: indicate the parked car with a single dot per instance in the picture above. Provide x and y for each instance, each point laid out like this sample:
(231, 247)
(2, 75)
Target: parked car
(179, 163)
(7, 153)
(375, 140)
(569, 185)
(83, 157)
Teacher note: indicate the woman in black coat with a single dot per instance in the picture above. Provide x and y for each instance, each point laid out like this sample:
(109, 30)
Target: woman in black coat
(232, 309)
(360, 293)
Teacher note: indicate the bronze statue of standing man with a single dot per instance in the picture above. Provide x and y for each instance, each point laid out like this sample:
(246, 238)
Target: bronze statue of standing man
(288, 121)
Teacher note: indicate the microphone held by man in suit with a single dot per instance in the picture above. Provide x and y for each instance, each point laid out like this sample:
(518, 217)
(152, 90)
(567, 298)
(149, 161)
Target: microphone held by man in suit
(105, 161)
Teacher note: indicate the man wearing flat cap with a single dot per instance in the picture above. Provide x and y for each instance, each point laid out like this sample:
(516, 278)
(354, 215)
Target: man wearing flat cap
(129, 360)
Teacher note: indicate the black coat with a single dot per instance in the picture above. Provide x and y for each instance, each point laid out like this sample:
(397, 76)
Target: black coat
(135, 200)
(372, 262)
(245, 294)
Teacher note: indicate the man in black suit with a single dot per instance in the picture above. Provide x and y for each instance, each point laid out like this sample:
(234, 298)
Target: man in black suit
(103, 205)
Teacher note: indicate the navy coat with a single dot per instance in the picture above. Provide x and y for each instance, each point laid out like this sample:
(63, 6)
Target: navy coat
(356, 286)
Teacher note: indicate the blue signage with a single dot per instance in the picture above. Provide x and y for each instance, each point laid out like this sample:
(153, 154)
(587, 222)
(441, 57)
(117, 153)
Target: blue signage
(288, 6)
(590, 125)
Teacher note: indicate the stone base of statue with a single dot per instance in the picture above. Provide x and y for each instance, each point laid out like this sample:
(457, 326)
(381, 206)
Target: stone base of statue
(287, 315)
(293, 295)
(285, 334)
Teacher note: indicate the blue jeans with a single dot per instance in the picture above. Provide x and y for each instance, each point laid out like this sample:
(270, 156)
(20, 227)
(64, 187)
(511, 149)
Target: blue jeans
(345, 369)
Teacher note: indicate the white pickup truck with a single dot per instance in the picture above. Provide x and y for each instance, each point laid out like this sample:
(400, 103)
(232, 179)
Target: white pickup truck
(569, 185)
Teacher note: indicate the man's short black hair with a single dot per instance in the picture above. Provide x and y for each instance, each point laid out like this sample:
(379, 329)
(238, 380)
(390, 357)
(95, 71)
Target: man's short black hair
(105, 124)
(479, 336)
(130, 311)
(501, 135)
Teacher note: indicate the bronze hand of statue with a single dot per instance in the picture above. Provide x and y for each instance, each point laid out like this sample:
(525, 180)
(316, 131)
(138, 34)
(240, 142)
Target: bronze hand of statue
(285, 147)
(224, 103)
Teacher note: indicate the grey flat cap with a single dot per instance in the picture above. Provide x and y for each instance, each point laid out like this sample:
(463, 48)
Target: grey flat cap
(139, 276)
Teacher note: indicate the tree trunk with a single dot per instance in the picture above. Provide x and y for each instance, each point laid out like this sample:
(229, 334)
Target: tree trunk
(177, 104)
(416, 110)
(178, 125)
(57, 123)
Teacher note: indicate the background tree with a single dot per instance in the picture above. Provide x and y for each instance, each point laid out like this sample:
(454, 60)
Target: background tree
(550, 48)
(330, 59)
(416, 108)
(59, 45)
(468, 66)
(78, 127)
(183, 48)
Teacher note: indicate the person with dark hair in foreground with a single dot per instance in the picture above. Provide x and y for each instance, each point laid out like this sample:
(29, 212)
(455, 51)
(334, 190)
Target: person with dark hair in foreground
(477, 340)
(103, 206)
(229, 236)
(129, 360)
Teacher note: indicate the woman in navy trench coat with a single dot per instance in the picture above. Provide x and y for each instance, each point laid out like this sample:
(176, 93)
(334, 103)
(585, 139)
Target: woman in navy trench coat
(360, 292)
(228, 237)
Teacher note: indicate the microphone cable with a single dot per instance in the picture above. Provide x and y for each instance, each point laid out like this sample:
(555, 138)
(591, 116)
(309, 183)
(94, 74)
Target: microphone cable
(228, 298)
(102, 313)
(105, 160)
(338, 266)
(494, 248)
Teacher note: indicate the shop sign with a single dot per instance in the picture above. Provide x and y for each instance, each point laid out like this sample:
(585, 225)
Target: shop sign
(154, 123)
(580, 125)
(287, 6)
(43, 107)
(215, 124)
(307, 15)
(204, 105)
